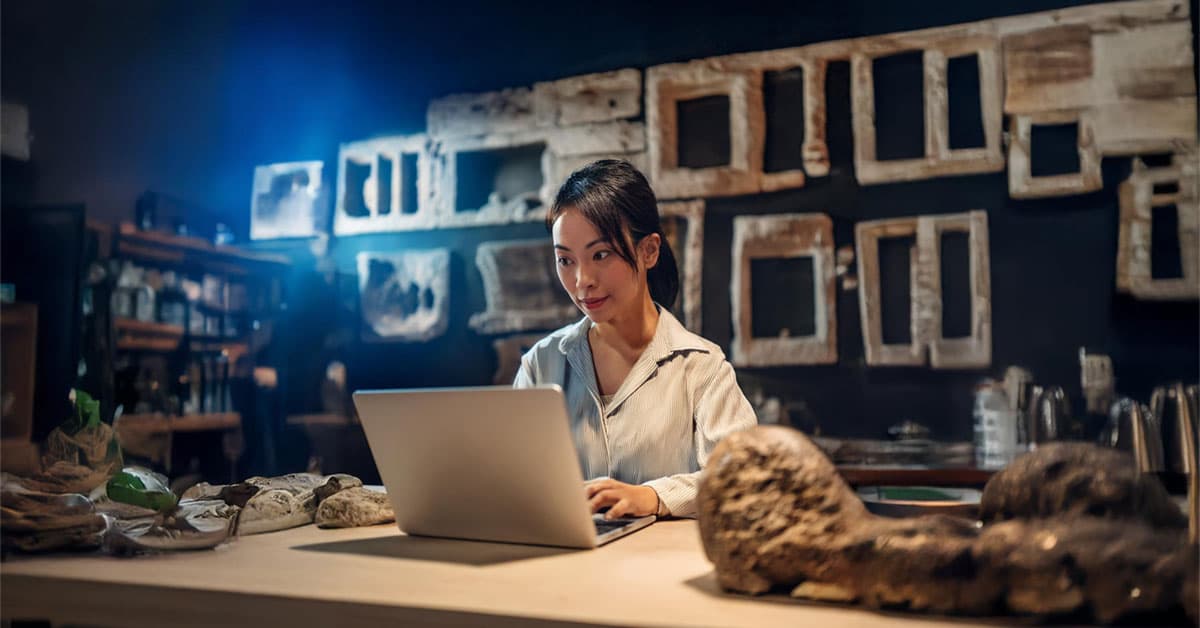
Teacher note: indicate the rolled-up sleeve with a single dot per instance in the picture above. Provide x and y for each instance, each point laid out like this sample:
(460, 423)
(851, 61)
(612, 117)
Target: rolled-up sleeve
(720, 410)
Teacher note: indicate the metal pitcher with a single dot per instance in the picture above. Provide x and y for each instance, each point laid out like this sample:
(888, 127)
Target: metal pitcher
(1132, 427)
(1176, 407)
(1049, 412)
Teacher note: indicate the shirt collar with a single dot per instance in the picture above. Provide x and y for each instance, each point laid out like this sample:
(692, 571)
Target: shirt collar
(670, 337)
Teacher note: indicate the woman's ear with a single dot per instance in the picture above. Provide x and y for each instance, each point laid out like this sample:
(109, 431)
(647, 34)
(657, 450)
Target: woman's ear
(648, 250)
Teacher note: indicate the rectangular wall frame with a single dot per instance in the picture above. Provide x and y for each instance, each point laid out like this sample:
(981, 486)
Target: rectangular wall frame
(974, 351)
(784, 236)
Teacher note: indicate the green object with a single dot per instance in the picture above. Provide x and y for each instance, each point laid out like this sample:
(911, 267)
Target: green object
(916, 493)
(86, 414)
(140, 488)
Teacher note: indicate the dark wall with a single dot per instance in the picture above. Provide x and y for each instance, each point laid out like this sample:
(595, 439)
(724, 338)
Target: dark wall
(187, 99)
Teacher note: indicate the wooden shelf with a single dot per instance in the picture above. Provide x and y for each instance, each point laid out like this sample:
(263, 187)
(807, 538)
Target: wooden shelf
(884, 476)
(143, 327)
(159, 423)
(135, 335)
(159, 247)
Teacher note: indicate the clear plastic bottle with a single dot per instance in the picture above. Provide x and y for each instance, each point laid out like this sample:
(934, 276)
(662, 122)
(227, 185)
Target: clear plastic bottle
(995, 426)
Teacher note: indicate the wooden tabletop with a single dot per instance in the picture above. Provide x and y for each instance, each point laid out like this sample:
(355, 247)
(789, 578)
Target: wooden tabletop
(367, 576)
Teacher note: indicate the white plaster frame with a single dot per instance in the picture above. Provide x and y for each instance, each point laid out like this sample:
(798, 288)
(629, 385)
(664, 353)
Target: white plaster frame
(667, 85)
(1021, 182)
(1137, 202)
(263, 175)
(974, 351)
(784, 236)
(939, 160)
(371, 152)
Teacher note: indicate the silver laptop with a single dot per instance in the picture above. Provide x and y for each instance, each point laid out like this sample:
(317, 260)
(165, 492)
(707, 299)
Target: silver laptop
(488, 464)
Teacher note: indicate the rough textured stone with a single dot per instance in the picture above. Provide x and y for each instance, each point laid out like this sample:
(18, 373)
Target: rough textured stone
(775, 515)
(355, 507)
(1072, 479)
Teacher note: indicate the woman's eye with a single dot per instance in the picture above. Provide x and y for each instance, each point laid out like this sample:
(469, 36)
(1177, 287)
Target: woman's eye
(562, 261)
(601, 255)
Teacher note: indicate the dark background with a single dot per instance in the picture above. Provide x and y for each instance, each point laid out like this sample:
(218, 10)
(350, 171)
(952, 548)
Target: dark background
(187, 98)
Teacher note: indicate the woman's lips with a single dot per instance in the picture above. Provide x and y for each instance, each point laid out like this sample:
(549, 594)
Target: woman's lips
(592, 304)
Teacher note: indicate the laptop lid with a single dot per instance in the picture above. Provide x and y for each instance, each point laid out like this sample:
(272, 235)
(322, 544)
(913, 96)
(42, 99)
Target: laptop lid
(486, 463)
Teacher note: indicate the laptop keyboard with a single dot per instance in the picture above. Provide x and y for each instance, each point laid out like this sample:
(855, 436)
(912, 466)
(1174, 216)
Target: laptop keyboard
(604, 526)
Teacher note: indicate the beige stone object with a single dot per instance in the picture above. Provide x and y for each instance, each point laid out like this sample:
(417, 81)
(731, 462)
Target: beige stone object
(355, 507)
(1146, 189)
(784, 236)
(974, 351)
(1122, 72)
(521, 288)
(589, 98)
(776, 515)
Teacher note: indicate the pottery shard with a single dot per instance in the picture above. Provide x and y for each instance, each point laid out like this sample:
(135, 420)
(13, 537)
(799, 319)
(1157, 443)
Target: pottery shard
(774, 514)
(355, 507)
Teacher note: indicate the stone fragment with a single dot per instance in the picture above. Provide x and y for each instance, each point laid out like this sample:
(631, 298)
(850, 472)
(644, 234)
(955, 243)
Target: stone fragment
(355, 507)
(1076, 479)
(775, 514)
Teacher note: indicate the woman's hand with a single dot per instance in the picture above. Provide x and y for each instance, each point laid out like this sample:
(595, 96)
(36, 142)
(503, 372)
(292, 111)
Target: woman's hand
(626, 500)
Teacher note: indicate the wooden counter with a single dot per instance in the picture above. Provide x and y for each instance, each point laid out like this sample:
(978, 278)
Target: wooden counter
(369, 576)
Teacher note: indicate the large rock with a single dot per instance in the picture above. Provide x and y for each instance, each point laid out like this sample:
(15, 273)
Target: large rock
(775, 515)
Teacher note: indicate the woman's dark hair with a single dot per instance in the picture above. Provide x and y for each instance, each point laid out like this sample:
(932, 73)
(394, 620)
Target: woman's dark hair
(612, 195)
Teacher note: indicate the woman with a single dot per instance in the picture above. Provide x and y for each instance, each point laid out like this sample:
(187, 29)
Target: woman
(648, 400)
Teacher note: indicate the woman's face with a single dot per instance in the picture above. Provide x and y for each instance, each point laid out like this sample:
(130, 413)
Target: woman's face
(601, 284)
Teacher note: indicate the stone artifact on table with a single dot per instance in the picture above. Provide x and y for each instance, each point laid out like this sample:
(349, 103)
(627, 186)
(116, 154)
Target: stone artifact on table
(278, 503)
(355, 507)
(775, 515)
(33, 521)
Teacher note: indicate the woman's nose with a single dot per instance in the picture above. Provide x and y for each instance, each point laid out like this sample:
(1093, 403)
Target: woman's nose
(583, 275)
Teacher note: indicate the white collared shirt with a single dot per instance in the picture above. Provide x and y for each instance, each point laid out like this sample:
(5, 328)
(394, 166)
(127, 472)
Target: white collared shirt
(679, 400)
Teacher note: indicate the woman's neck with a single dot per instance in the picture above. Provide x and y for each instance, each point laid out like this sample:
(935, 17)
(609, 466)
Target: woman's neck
(632, 332)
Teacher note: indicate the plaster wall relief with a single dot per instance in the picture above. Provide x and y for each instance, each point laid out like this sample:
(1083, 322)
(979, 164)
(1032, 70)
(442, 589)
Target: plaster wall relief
(383, 184)
(683, 223)
(939, 159)
(288, 201)
(499, 157)
(1119, 74)
(667, 86)
(927, 344)
(1163, 189)
(521, 288)
(404, 296)
(806, 238)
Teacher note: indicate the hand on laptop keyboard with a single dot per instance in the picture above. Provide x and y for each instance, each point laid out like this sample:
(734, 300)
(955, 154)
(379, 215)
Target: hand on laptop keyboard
(620, 499)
